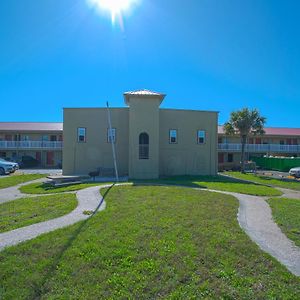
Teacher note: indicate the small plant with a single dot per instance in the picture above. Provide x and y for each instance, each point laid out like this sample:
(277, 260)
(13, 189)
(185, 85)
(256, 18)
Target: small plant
(88, 212)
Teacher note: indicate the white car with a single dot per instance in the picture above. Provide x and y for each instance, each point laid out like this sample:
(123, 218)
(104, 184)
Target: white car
(295, 172)
(7, 167)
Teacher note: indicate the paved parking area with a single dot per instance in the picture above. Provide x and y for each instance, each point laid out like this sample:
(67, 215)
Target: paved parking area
(276, 174)
(3, 176)
(41, 171)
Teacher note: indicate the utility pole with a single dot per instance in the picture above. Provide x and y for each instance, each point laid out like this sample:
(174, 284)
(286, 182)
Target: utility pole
(110, 138)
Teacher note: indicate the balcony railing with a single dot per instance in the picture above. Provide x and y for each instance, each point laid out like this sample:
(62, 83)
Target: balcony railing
(30, 145)
(263, 148)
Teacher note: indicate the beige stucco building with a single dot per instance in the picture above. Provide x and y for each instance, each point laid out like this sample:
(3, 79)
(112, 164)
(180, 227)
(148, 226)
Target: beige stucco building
(150, 142)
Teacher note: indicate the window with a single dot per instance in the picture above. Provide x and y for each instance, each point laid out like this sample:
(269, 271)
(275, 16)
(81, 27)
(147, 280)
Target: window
(201, 136)
(53, 138)
(173, 136)
(144, 146)
(45, 138)
(81, 134)
(25, 138)
(230, 157)
(111, 135)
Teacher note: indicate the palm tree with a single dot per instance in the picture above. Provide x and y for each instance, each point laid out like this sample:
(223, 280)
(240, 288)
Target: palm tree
(245, 122)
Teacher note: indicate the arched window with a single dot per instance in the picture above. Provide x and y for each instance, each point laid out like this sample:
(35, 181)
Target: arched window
(144, 146)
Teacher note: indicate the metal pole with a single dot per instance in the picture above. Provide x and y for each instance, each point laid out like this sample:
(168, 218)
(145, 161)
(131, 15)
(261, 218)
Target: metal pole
(112, 143)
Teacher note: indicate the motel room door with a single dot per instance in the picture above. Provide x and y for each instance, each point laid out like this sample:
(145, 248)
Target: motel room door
(50, 158)
(38, 156)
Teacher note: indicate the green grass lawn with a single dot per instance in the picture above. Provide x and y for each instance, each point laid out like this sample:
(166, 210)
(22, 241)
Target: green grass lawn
(221, 183)
(294, 185)
(286, 213)
(46, 188)
(27, 211)
(17, 179)
(149, 243)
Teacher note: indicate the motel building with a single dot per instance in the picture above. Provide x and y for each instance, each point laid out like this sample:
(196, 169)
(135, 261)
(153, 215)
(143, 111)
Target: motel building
(280, 142)
(41, 141)
(149, 141)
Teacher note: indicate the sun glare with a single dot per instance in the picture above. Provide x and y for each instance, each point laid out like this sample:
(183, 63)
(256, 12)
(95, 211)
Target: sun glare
(116, 7)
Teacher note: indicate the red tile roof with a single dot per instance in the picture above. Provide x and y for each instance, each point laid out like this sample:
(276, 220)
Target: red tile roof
(144, 92)
(31, 126)
(273, 131)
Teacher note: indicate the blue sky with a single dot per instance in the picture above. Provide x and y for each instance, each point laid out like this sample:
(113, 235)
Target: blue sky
(204, 54)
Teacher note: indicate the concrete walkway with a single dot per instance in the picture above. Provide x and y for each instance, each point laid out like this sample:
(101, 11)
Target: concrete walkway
(13, 193)
(89, 200)
(292, 194)
(254, 216)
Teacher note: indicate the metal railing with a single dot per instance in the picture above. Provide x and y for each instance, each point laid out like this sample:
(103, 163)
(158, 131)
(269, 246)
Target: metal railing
(143, 151)
(276, 148)
(30, 145)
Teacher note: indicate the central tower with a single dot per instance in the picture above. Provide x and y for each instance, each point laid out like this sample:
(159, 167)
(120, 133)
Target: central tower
(143, 133)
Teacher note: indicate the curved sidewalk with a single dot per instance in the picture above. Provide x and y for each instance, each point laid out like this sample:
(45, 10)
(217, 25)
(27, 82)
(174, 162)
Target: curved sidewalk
(89, 199)
(255, 217)
(13, 192)
(287, 193)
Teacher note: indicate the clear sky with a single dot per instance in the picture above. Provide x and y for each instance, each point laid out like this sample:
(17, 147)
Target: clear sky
(204, 54)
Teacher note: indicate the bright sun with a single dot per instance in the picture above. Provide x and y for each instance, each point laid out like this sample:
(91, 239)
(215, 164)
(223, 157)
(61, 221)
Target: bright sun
(114, 6)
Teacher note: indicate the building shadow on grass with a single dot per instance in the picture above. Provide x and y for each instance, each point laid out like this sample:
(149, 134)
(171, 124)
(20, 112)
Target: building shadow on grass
(37, 294)
(191, 181)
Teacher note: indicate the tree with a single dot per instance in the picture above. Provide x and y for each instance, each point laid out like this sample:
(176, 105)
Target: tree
(245, 122)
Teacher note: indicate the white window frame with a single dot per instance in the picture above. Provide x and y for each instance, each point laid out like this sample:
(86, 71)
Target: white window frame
(200, 136)
(79, 134)
(171, 136)
(111, 135)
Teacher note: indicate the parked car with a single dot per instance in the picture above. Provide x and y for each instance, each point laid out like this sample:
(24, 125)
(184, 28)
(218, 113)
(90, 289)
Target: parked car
(295, 172)
(8, 160)
(7, 167)
(28, 162)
